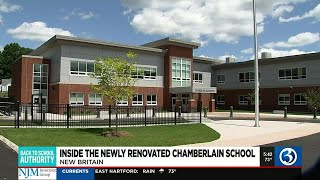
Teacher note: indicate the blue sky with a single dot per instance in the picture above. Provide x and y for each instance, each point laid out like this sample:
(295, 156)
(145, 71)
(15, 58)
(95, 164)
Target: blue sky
(223, 27)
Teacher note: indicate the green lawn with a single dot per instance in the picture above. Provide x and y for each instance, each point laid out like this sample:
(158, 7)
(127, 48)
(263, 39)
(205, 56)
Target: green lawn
(169, 135)
(3, 94)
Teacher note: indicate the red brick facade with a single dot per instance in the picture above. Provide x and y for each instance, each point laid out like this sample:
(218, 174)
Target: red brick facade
(60, 93)
(268, 97)
(22, 77)
(173, 51)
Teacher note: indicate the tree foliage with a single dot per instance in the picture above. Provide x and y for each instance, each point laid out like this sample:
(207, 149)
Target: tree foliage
(313, 98)
(114, 77)
(10, 53)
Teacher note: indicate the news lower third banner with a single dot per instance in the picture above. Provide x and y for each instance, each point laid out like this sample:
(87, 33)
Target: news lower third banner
(98, 162)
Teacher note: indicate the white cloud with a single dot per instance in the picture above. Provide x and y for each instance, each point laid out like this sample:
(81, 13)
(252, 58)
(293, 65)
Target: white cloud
(67, 17)
(278, 53)
(84, 15)
(314, 13)
(7, 8)
(301, 39)
(36, 31)
(202, 21)
(247, 51)
(280, 10)
(1, 48)
(204, 56)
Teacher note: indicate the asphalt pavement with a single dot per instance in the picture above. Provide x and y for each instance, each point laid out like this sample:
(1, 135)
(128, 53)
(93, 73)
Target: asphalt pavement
(8, 163)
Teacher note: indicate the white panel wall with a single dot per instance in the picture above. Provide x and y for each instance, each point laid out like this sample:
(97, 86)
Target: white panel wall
(71, 52)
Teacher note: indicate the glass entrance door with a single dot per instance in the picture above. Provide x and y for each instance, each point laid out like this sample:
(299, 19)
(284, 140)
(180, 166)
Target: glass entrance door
(174, 101)
(185, 99)
(37, 103)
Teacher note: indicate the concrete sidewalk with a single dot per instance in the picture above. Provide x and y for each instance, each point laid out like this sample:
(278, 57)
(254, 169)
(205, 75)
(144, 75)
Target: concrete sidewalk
(263, 116)
(242, 132)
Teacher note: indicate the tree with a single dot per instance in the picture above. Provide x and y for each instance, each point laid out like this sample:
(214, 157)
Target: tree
(10, 53)
(114, 78)
(313, 98)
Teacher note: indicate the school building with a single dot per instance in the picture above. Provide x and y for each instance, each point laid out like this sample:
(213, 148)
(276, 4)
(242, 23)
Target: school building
(172, 76)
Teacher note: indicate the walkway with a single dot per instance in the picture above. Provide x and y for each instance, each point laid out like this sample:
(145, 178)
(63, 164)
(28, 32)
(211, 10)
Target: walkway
(242, 132)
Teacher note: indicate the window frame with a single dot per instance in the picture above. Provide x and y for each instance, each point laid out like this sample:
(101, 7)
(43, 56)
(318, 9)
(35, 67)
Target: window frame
(184, 80)
(299, 75)
(247, 77)
(299, 103)
(40, 75)
(152, 102)
(220, 102)
(124, 102)
(196, 77)
(137, 102)
(281, 103)
(76, 102)
(78, 72)
(95, 99)
(221, 82)
(243, 102)
(143, 75)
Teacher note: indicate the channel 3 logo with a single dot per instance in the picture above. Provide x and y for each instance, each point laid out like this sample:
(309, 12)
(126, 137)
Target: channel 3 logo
(288, 156)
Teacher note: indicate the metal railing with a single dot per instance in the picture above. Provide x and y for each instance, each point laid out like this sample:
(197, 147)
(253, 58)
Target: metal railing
(68, 116)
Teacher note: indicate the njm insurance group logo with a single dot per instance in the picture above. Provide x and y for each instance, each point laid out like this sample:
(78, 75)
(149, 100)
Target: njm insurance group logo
(288, 156)
(37, 173)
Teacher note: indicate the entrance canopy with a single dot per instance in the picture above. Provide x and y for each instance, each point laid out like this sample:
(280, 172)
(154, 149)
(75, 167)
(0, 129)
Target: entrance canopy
(190, 89)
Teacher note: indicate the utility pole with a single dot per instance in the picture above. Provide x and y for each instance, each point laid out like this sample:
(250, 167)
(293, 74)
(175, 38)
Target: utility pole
(256, 67)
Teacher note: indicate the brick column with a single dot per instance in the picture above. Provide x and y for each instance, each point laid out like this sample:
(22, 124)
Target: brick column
(191, 105)
(212, 105)
(178, 100)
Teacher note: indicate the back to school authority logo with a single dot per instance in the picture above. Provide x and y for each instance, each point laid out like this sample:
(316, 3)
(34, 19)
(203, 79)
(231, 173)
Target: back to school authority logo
(288, 156)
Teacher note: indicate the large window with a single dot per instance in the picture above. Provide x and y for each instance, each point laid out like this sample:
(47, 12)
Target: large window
(151, 99)
(81, 67)
(76, 99)
(293, 73)
(123, 102)
(246, 77)
(40, 79)
(137, 99)
(299, 99)
(284, 99)
(181, 72)
(144, 72)
(220, 99)
(197, 77)
(95, 99)
(221, 79)
(243, 100)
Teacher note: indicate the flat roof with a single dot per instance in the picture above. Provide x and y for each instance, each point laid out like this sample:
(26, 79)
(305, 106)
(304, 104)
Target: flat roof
(283, 59)
(172, 41)
(207, 60)
(48, 44)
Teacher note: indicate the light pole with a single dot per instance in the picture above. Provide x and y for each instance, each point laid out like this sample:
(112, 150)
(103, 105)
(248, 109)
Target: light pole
(256, 68)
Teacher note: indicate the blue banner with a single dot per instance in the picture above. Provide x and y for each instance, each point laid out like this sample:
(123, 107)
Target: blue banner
(75, 174)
